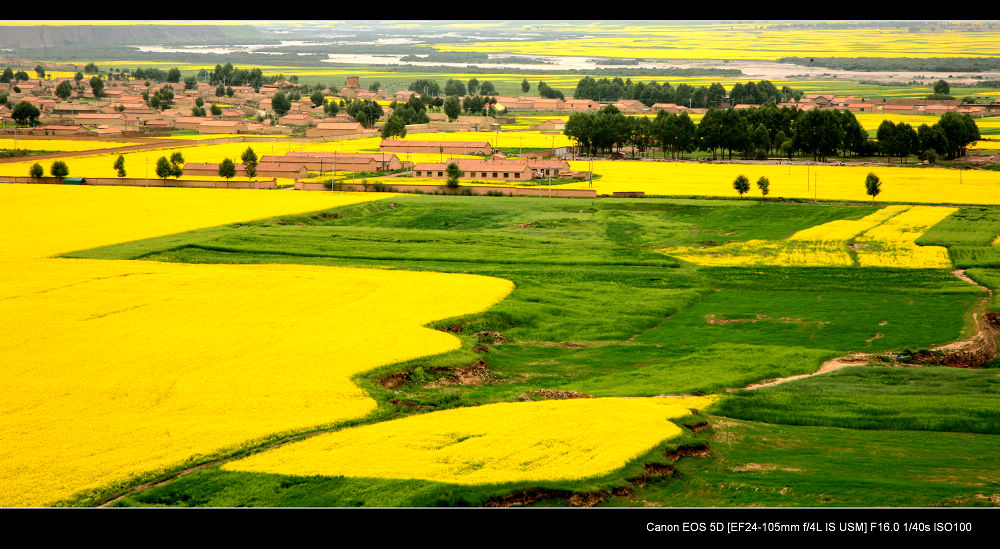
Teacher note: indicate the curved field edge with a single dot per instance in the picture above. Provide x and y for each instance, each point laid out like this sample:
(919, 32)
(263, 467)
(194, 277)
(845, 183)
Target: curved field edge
(444, 404)
(214, 487)
(72, 204)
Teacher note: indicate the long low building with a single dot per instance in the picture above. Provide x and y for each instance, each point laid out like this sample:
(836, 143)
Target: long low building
(383, 161)
(320, 163)
(493, 169)
(335, 129)
(436, 147)
(505, 170)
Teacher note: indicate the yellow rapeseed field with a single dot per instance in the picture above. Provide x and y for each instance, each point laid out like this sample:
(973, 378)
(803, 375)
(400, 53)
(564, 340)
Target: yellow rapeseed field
(885, 238)
(493, 443)
(115, 368)
(59, 145)
(725, 41)
(825, 182)
(892, 244)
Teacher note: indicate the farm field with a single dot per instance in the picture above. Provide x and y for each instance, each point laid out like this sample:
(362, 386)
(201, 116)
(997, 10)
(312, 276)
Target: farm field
(790, 180)
(139, 362)
(729, 41)
(813, 346)
(597, 311)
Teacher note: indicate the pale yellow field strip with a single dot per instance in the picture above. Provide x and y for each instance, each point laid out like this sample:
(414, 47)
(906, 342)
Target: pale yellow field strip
(60, 145)
(494, 443)
(885, 238)
(115, 368)
(892, 244)
(715, 42)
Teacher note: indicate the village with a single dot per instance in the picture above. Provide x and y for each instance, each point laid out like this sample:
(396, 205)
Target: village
(122, 110)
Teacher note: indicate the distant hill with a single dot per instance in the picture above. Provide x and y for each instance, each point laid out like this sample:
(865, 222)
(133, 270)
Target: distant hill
(44, 36)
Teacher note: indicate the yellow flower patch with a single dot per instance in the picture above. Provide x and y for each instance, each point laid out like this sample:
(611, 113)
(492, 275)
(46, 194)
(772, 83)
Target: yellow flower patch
(116, 368)
(892, 244)
(885, 238)
(494, 443)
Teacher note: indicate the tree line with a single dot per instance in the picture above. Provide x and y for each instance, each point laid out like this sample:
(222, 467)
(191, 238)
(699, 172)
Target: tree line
(700, 97)
(766, 131)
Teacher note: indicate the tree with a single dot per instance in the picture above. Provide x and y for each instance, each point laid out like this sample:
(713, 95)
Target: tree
(317, 98)
(163, 168)
(78, 77)
(170, 168)
(199, 102)
(227, 169)
(452, 107)
(425, 87)
(198, 111)
(97, 85)
(545, 91)
(280, 104)
(454, 87)
(374, 86)
(249, 162)
(486, 88)
(215, 110)
(742, 185)
(395, 126)
(91, 68)
(220, 91)
(64, 90)
(525, 86)
(120, 165)
(331, 108)
(40, 71)
(190, 83)
(473, 86)
(230, 91)
(366, 112)
(174, 75)
(8, 75)
(764, 184)
(941, 88)
(59, 169)
(24, 113)
(453, 172)
(36, 170)
(873, 186)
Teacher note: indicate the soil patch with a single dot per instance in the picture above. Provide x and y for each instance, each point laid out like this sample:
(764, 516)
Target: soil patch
(696, 450)
(552, 394)
(712, 319)
(476, 373)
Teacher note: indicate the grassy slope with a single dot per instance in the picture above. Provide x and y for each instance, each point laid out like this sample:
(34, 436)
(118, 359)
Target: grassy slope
(596, 310)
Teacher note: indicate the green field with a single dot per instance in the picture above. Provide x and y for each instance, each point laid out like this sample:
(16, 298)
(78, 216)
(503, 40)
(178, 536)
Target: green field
(597, 311)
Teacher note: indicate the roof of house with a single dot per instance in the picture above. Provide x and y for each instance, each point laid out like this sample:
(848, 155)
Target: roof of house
(221, 123)
(338, 125)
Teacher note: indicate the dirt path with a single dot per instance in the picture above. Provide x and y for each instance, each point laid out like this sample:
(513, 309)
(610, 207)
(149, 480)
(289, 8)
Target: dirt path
(984, 331)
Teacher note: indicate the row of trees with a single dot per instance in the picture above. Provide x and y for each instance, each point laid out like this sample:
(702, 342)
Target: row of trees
(57, 169)
(759, 133)
(873, 186)
(474, 87)
(950, 136)
(697, 97)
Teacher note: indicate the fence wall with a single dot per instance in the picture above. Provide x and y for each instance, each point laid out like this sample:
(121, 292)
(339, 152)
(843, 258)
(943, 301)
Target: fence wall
(152, 182)
(474, 189)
